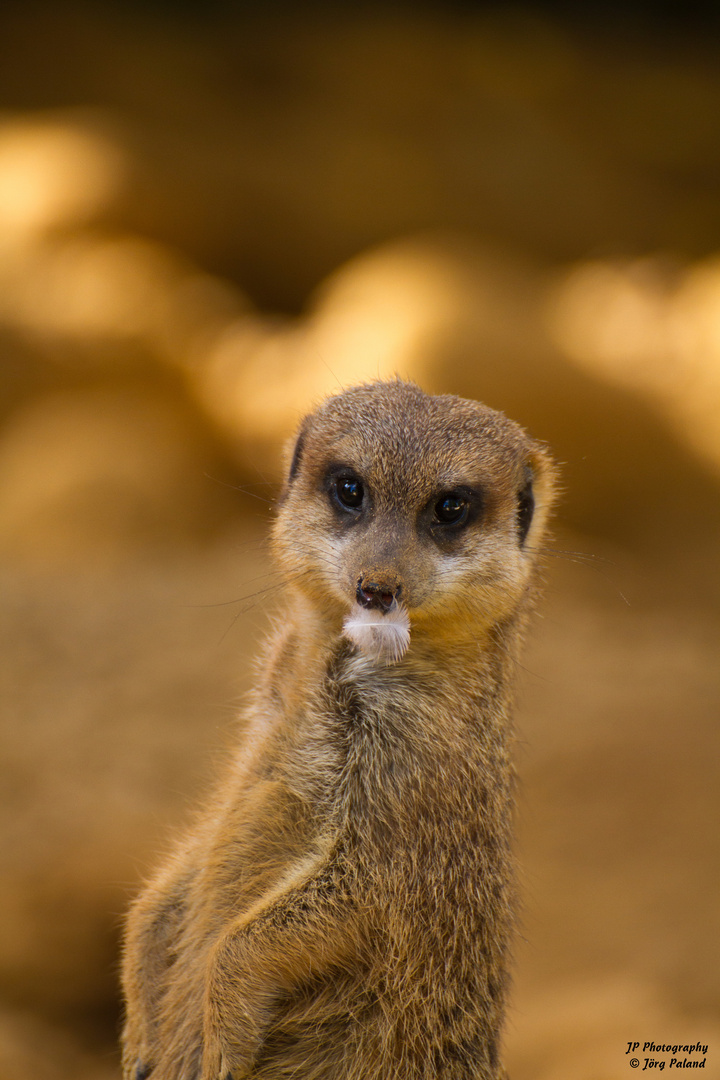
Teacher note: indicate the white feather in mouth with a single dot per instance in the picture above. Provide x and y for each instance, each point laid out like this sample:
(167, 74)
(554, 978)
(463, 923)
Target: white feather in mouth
(380, 636)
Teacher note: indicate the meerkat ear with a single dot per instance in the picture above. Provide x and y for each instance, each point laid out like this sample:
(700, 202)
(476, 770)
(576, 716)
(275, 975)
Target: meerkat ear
(297, 453)
(297, 456)
(525, 506)
(537, 494)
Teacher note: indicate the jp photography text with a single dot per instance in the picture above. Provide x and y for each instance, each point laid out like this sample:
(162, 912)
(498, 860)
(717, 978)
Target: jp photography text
(675, 1055)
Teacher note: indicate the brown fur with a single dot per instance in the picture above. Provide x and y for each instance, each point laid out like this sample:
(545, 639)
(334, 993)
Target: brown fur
(344, 907)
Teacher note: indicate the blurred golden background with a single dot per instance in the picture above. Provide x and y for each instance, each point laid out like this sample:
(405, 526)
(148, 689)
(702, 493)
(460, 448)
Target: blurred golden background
(211, 216)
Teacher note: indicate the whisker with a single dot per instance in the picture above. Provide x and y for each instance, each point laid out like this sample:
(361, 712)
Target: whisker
(244, 488)
(577, 556)
(255, 597)
(586, 559)
(241, 599)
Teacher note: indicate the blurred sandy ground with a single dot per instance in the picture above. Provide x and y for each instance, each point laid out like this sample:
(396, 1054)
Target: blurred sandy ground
(206, 224)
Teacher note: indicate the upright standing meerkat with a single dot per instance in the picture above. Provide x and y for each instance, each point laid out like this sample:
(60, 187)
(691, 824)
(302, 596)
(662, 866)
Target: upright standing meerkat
(342, 909)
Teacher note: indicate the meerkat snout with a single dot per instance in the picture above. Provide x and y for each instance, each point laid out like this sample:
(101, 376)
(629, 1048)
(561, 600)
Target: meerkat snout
(371, 594)
(379, 624)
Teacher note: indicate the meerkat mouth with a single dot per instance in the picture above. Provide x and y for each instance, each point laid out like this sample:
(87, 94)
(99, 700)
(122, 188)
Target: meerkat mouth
(382, 636)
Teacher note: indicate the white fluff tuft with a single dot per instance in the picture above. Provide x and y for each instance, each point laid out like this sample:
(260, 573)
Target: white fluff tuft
(380, 636)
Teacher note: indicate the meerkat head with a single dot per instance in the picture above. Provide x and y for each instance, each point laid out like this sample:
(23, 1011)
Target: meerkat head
(404, 513)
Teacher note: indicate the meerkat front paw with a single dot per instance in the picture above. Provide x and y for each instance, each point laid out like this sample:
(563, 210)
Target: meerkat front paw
(138, 1059)
(221, 1061)
(217, 1067)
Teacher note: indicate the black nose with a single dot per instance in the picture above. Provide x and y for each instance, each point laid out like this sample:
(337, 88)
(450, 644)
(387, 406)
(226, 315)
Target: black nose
(371, 595)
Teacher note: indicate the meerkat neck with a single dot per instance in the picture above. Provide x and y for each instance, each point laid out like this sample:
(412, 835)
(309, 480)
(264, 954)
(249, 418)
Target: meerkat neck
(465, 676)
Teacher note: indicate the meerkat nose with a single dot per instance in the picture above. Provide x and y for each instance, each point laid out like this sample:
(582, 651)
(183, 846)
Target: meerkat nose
(372, 595)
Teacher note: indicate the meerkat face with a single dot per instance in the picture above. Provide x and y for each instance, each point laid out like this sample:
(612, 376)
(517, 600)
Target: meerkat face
(407, 513)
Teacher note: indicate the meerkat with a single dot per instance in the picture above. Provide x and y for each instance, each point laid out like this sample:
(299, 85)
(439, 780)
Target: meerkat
(343, 908)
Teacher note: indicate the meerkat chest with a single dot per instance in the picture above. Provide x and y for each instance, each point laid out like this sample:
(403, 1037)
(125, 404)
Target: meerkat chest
(412, 763)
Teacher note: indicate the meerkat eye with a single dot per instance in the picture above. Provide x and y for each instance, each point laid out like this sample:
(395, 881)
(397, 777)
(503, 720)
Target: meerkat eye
(349, 492)
(451, 509)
